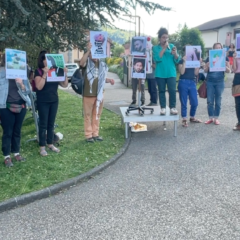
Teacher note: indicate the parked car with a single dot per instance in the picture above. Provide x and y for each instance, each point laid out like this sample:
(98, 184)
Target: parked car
(72, 67)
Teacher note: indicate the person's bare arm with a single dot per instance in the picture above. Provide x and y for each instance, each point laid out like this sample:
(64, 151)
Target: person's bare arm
(181, 67)
(85, 56)
(228, 69)
(109, 80)
(164, 47)
(234, 62)
(65, 83)
(40, 81)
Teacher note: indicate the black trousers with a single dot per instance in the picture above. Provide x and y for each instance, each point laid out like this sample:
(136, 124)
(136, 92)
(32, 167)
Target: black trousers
(237, 106)
(11, 125)
(47, 112)
(152, 89)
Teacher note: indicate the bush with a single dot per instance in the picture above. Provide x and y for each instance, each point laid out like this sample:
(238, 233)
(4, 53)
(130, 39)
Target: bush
(113, 61)
(118, 70)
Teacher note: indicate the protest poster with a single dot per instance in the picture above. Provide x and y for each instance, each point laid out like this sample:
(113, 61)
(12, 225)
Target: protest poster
(138, 46)
(193, 56)
(99, 44)
(55, 63)
(139, 68)
(16, 64)
(149, 56)
(238, 45)
(217, 60)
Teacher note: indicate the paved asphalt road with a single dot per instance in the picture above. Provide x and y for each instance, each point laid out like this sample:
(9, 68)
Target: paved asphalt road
(163, 187)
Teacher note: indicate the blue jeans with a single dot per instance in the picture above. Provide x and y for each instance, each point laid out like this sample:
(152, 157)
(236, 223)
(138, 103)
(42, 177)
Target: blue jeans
(214, 97)
(187, 88)
(171, 85)
(152, 89)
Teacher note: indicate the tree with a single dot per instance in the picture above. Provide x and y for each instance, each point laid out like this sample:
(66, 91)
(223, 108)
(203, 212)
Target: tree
(59, 24)
(117, 50)
(187, 36)
(191, 36)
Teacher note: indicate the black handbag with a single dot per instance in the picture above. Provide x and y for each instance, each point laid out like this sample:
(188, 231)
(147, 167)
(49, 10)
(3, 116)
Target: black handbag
(77, 82)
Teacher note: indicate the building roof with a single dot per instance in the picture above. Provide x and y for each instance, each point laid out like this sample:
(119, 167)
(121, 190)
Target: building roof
(218, 23)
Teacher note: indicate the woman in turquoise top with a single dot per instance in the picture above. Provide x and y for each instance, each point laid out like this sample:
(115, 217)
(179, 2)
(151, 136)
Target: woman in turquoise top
(165, 56)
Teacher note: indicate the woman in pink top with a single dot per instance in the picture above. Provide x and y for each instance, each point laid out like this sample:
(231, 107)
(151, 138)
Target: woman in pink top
(236, 81)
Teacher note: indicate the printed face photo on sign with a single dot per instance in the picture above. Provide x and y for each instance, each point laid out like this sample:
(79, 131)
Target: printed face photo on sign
(139, 68)
(138, 46)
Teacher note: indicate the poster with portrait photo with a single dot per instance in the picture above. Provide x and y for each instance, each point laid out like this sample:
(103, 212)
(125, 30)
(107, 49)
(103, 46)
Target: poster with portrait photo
(138, 46)
(193, 56)
(16, 64)
(238, 45)
(217, 60)
(55, 63)
(139, 67)
(98, 40)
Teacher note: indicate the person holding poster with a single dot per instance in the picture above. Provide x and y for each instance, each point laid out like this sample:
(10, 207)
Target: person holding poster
(12, 111)
(236, 83)
(47, 103)
(187, 89)
(95, 72)
(99, 43)
(230, 53)
(165, 57)
(215, 87)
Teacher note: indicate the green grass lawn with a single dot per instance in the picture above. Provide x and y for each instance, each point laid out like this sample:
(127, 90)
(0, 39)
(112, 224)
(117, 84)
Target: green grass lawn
(75, 158)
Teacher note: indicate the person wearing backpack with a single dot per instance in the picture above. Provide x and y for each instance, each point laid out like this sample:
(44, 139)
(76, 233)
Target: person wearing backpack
(47, 104)
(94, 82)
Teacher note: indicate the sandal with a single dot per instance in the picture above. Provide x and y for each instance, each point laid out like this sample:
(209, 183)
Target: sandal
(53, 148)
(195, 120)
(184, 123)
(43, 152)
(209, 121)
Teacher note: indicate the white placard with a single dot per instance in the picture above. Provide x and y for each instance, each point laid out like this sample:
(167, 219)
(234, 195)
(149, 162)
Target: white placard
(217, 60)
(138, 46)
(16, 64)
(238, 45)
(55, 63)
(139, 68)
(193, 56)
(99, 44)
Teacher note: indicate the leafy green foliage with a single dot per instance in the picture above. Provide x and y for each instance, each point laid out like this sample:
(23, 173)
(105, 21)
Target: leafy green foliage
(118, 69)
(187, 36)
(119, 36)
(54, 24)
(117, 50)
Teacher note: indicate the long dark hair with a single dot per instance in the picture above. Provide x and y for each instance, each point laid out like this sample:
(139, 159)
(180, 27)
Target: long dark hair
(41, 58)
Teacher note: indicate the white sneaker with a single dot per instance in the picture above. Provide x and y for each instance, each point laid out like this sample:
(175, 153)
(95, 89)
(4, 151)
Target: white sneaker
(174, 111)
(163, 111)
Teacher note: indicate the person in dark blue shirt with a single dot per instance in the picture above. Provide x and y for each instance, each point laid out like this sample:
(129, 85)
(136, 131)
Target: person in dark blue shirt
(187, 88)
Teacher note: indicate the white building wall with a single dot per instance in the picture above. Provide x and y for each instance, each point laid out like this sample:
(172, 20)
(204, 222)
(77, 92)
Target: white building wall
(209, 38)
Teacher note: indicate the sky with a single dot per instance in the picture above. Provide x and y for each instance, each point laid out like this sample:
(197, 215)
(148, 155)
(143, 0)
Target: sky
(191, 12)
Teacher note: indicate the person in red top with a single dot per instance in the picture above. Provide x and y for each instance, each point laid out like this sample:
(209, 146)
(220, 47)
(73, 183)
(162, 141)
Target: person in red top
(230, 53)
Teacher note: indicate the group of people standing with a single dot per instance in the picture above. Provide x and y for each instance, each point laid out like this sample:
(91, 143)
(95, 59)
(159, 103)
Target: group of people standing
(13, 104)
(13, 95)
(165, 59)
